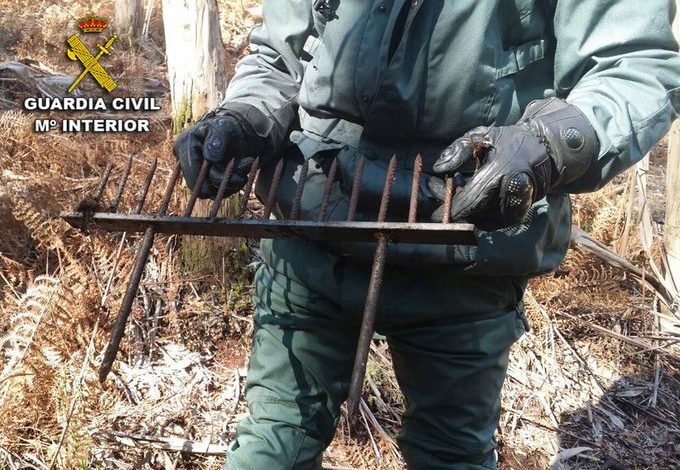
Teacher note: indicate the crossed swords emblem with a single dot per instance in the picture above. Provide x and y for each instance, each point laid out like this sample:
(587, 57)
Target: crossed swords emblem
(80, 52)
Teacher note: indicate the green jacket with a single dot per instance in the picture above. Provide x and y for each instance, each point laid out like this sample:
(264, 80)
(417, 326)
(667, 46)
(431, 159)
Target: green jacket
(408, 76)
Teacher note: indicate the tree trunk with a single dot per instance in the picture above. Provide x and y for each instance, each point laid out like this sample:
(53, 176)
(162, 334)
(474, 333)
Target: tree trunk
(195, 55)
(672, 226)
(197, 75)
(129, 19)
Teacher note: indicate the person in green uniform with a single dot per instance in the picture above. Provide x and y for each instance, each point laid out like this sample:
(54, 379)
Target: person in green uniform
(560, 95)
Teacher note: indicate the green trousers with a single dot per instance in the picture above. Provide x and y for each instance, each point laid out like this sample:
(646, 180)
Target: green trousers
(449, 337)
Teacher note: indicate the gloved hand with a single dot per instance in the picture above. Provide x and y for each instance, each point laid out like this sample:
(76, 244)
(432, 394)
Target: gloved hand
(552, 145)
(218, 137)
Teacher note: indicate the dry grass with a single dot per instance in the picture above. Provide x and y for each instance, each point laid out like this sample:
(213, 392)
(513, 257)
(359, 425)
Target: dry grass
(576, 397)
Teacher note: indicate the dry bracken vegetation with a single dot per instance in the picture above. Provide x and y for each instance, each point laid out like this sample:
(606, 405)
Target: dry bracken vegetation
(594, 385)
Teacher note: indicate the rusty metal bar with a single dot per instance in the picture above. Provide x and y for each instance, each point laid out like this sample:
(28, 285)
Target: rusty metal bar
(141, 200)
(448, 200)
(372, 298)
(103, 182)
(415, 189)
(356, 188)
(222, 191)
(273, 189)
(248, 189)
(118, 330)
(367, 325)
(172, 182)
(398, 232)
(202, 176)
(327, 190)
(121, 185)
(387, 190)
(299, 190)
(146, 187)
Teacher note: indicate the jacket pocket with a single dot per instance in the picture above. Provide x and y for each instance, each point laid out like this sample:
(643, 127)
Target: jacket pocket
(507, 104)
(518, 58)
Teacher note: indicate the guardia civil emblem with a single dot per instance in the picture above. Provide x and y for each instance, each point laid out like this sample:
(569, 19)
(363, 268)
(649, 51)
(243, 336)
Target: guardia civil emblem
(90, 62)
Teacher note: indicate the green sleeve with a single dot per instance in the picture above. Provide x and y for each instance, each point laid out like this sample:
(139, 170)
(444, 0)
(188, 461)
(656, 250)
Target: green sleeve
(266, 83)
(618, 62)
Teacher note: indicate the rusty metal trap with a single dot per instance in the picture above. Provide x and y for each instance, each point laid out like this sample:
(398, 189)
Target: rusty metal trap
(89, 215)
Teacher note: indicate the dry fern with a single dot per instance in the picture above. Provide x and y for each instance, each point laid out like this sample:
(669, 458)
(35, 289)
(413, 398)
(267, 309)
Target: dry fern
(31, 309)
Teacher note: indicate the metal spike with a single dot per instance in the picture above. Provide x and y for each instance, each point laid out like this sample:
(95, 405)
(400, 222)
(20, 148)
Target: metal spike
(170, 188)
(118, 330)
(299, 190)
(147, 185)
(103, 182)
(248, 189)
(387, 190)
(367, 325)
(222, 191)
(372, 297)
(121, 185)
(327, 190)
(448, 200)
(202, 176)
(356, 188)
(415, 190)
(273, 189)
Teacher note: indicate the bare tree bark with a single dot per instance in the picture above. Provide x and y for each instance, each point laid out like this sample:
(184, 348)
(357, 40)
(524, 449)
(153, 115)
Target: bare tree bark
(129, 19)
(196, 58)
(197, 75)
(672, 225)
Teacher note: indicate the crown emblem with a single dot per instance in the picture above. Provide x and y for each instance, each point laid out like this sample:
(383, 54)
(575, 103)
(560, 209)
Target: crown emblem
(93, 24)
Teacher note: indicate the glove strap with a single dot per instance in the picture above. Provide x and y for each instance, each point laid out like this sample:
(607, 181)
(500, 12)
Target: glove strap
(571, 139)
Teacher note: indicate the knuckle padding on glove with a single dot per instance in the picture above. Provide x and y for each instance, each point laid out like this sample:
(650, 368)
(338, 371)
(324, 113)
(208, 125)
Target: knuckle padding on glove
(462, 150)
(553, 144)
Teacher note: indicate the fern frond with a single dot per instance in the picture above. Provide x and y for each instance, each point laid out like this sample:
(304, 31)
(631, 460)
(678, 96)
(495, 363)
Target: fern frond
(32, 307)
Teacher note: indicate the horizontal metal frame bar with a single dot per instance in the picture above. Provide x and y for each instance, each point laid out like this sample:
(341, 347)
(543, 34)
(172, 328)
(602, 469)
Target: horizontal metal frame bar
(396, 232)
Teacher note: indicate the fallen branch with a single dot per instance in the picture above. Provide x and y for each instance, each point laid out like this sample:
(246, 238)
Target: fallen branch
(599, 249)
(644, 345)
(175, 444)
(171, 444)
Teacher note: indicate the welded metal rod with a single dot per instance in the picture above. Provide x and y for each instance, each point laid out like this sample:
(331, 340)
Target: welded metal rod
(133, 285)
(248, 189)
(367, 325)
(103, 182)
(273, 189)
(397, 232)
(146, 187)
(299, 190)
(448, 200)
(356, 188)
(330, 181)
(195, 192)
(372, 298)
(222, 191)
(138, 209)
(415, 189)
(121, 184)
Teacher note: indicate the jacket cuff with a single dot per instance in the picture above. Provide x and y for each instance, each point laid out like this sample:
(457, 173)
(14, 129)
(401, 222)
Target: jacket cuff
(259, 124)
(258, 121)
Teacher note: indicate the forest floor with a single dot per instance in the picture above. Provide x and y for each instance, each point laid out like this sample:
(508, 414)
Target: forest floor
(594, 385)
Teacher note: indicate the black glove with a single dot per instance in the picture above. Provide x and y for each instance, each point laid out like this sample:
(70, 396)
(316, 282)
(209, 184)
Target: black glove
(218, 137)
(515, 166)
